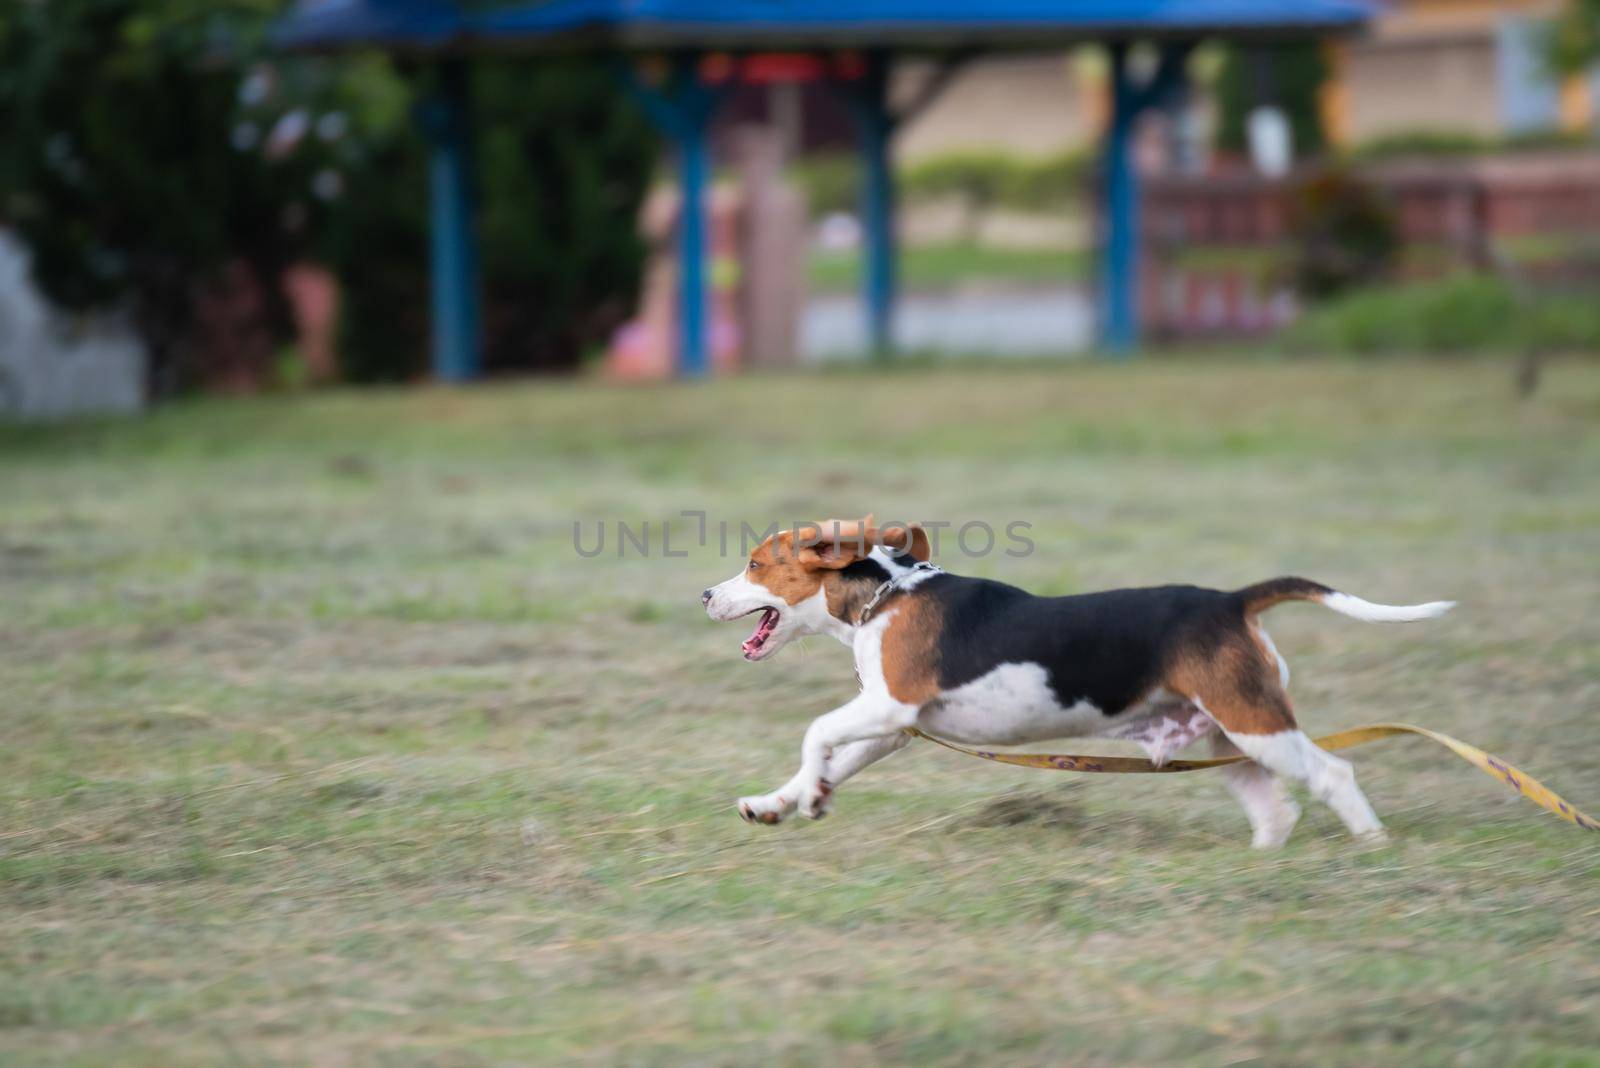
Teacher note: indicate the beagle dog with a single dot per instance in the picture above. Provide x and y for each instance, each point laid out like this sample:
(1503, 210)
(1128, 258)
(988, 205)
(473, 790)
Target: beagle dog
(983, 663)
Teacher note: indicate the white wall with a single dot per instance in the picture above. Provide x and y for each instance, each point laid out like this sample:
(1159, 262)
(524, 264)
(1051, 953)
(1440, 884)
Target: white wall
(53, 364)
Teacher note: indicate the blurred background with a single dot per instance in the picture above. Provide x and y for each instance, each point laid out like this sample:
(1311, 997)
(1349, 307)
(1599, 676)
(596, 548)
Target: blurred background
(334, 334)
(246, 196)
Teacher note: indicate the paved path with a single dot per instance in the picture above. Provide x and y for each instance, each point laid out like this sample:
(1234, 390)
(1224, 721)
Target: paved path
(1025, 323)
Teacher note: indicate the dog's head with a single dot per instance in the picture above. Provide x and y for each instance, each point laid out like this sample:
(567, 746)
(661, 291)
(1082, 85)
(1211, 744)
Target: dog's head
(794, 578)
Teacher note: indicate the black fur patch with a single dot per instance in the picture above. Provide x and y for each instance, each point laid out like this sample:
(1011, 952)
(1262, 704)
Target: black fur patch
(1107, 648)
(859, 579)
(865, 570)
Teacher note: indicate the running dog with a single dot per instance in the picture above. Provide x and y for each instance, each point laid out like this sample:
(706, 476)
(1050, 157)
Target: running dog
(983, 663)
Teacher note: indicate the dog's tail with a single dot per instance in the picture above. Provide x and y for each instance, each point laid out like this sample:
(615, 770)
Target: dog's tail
(1263, 595)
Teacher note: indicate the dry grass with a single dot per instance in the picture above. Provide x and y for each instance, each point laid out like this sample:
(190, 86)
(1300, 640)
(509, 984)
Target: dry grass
(319, 744)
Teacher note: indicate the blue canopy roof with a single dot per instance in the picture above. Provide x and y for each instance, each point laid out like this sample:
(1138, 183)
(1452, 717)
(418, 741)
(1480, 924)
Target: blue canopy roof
(443, 24)
(352, 23)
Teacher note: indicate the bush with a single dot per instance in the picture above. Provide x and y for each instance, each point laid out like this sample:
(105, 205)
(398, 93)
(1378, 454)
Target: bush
(832, 183)
(1051, 183)
(1344, 235)
(977, 178)
(1457, 315)
(982, 180)
(1426, 143)
(1453, 144)
(988, 180)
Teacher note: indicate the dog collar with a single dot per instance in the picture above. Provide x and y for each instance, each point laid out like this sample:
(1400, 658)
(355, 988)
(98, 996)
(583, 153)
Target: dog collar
(889, 586)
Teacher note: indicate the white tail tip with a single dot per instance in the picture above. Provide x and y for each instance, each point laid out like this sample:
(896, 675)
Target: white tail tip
(1356, 608)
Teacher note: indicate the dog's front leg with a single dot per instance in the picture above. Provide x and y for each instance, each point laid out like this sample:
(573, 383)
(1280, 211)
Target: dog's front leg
(840, 760)
(871, 716)
(846, 761)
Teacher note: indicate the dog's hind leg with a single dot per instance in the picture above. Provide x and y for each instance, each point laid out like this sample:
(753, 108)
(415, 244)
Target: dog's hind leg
(1267, 805)
(1265, 731)
(1331, 780)
(1239, 684)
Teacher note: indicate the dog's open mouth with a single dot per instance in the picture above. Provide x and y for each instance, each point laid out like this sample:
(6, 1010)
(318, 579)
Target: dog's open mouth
(756, 642)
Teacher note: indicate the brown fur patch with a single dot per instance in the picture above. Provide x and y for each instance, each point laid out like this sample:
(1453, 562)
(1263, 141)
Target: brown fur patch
(1268, 657)
(1263, 595)
(854, 538)
(1236, 680)
(794, 569)
(911, 538)
(780, 567)
(911, 650)
(846, 598)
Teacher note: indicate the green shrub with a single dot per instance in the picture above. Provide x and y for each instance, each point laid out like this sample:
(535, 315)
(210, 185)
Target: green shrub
(983, 180)
(987, 180)
(974, 177)
(1345, 236)
(1047, 184)
(1452, 144)
(832, 183)
(1428, 143)
(1460, 314)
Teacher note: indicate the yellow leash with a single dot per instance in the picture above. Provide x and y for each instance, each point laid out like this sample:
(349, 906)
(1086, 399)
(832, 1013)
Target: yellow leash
(1488, 763)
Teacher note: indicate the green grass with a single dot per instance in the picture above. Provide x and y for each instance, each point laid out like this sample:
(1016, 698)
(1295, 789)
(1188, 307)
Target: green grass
(1447, 317)
(319, 744)
(948, 265)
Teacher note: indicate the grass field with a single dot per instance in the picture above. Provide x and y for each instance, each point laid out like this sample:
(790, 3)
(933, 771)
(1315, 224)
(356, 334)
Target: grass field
(319, 744)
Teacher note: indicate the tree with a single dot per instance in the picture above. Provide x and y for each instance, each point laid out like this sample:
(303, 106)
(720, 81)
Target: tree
(566, 160)
(116, 167)
(156, 151)
(1575, 44)
(1289, 76)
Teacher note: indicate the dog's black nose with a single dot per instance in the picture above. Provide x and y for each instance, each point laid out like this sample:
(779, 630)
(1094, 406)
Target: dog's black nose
(705, 596)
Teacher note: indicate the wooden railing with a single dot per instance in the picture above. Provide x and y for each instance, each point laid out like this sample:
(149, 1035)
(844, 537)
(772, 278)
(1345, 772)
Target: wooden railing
(1217, 248)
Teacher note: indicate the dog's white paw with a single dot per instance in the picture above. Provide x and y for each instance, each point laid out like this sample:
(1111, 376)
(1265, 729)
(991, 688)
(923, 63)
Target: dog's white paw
(766, 808)
(817, 801)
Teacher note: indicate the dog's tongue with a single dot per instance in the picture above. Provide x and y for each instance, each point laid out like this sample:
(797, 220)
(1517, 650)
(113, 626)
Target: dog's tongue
(763, 629)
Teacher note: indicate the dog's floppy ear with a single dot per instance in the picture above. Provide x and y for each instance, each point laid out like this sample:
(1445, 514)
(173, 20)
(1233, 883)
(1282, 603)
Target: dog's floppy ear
(906, 538)
(836, 543)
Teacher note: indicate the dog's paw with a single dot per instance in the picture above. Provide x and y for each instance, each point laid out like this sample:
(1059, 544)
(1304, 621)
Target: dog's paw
(767, 808)
(817, 801)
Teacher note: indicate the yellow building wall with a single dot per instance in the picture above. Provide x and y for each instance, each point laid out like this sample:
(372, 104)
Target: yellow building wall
(1432, 64)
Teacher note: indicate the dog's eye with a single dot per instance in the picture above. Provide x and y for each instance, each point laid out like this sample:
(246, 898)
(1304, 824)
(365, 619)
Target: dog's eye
(753, 565)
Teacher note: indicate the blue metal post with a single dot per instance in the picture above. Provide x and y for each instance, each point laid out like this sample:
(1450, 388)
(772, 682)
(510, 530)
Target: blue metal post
(445, 118)
(1119, 269)
(693, 116)
(877, 205)
(683, 113)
